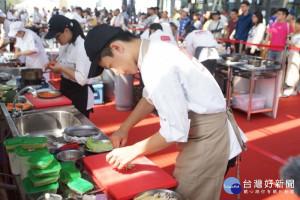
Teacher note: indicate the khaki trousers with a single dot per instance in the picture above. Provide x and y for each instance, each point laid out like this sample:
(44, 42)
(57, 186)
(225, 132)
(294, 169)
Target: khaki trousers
(202, 161)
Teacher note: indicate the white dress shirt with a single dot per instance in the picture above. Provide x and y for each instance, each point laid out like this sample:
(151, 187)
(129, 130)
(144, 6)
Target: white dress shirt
(74, 57)
(161, 36)
(176, 83)
(153, 19)
(119, 22)
(256, 35)
(37, 17)
(200, 38)
(32, 42)
(5, 30)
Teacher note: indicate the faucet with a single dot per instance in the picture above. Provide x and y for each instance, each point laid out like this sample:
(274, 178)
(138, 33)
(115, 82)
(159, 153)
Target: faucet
(15, 113)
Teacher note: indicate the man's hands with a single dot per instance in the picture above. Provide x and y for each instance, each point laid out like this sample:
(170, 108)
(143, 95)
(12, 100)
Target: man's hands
(121, 157)
(119, 138)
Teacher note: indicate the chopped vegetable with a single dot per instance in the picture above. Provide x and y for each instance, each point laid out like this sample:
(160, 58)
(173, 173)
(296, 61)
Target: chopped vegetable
(98, 146)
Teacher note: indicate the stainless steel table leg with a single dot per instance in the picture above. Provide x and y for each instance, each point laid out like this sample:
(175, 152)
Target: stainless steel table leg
(250, 95)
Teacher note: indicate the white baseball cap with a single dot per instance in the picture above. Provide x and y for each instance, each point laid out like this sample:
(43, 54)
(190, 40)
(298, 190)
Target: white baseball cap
(2, 14)
(15, 27)
(186, 10)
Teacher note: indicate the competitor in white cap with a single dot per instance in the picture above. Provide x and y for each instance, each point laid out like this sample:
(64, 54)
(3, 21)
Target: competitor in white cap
(4, 39)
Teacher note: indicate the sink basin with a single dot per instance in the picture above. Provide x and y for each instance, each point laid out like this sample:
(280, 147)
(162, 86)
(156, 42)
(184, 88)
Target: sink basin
(49, 122)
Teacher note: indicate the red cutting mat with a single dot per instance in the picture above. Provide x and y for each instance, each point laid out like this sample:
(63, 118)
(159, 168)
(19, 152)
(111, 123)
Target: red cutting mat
(39, 103)
(124, 185)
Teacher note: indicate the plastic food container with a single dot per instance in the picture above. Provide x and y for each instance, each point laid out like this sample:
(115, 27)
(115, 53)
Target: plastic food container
(38, 181)
(34, 142)
(52, 169)
(11, 143)
(69, 175)
(41, 160)
(80, 186)
(258, 101)
(23, 156)
(30, 189)
(14, 162)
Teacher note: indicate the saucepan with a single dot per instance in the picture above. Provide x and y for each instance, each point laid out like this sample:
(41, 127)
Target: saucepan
(232, 57)
(257, 62)
(32, 74)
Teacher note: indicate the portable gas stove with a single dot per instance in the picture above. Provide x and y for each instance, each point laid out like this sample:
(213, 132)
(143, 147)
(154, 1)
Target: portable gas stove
(35, 84)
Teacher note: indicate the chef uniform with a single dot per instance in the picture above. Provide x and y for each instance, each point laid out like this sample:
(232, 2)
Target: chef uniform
(30, 42)
(159, 35)
(74, 56)
(192, 113)
(191, 108)
(5, 28)
(202, 45)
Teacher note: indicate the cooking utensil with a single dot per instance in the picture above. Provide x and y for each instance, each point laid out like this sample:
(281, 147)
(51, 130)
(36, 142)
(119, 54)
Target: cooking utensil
(163, 192)
(69, 155)
(49, 94)
(82, 131)
(232, 57)
(5, 76)
(122, 184)
(32, 74)
(257, 62)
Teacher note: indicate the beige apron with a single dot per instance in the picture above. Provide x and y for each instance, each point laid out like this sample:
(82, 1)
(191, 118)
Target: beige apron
(202, 161)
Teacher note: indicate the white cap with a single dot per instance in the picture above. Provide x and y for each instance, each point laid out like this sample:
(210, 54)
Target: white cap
(2, 14)
(186, 10)
(15, 27)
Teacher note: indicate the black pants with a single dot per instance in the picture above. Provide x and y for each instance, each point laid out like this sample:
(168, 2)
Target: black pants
(237, 47)
(77, 94)
(211, 65)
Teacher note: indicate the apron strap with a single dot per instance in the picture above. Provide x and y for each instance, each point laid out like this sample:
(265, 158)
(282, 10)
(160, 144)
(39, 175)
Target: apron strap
(235, 128)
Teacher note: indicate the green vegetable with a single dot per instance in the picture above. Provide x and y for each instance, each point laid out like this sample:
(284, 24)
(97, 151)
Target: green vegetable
(9, 96)
(98, 146)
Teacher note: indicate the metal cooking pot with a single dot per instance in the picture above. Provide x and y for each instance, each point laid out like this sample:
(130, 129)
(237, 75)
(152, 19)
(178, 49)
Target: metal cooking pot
(232, 57)
(32, 74)
(5, 76)
(257, 62)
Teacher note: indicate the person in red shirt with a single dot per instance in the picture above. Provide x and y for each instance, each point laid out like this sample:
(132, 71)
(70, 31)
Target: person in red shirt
(231, 26)
(277, 34)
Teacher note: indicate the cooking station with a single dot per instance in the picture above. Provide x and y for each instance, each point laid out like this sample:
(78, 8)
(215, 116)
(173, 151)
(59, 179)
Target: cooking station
(252, 75)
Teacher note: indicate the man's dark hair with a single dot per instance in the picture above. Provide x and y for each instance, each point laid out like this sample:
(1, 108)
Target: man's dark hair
(246, 3)
(235, 10)
(124, 36)
(189, 28)
(284, 11)
(155, 26)
(298, 20)
(259, 16)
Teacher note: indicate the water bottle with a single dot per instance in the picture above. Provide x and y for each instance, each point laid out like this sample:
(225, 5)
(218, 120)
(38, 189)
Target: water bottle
(228, 50)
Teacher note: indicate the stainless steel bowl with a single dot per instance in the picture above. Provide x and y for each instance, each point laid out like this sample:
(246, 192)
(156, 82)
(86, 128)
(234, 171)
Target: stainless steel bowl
(69, 155)
(162, 192)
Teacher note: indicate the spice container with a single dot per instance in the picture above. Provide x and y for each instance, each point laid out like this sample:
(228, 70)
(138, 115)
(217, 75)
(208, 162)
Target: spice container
(23, 156)
(41, 160)
(14, 162)
(80, 186)
(52, 169)
(34, 142)
(69, 175)
(12, 143)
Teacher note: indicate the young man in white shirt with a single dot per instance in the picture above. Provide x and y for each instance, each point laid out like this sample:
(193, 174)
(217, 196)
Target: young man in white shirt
(4, 39)
(157, 34)
(30, 45)
(189, 102)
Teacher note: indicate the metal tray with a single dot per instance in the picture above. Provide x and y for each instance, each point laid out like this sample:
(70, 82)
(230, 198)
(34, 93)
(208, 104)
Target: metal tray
(96, 152)
(55, 92)
(171, 193)
(82, 131)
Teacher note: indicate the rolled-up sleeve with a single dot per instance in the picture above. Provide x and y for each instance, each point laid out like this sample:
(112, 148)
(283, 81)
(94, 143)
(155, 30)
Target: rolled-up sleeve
(83, 64)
